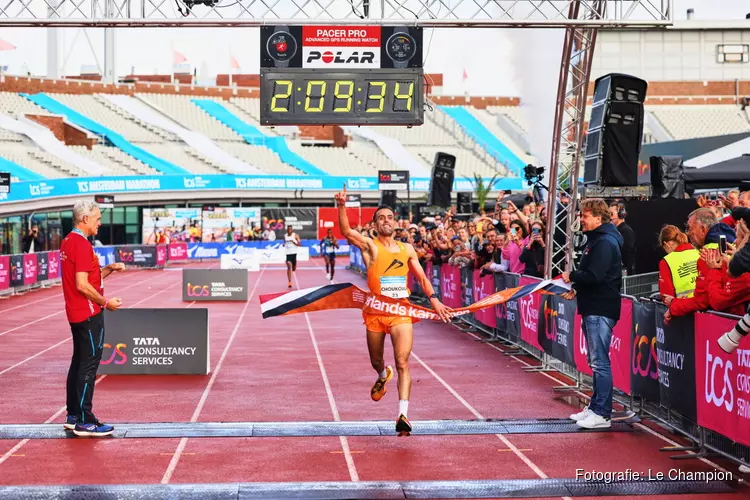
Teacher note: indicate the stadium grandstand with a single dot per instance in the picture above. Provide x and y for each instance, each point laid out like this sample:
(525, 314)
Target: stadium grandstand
(190, 178)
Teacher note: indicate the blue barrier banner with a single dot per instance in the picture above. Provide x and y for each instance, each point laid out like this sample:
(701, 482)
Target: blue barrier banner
(32, 190)
(106, 255)
(216, 250)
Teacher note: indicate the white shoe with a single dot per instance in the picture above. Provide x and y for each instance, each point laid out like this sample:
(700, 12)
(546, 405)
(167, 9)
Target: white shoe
(594, 421)
(581, 414)
(332, 282)
(328, 276)
(744, 469)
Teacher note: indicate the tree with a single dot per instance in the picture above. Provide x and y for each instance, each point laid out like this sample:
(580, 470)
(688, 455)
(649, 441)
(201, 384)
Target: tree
(482, 189)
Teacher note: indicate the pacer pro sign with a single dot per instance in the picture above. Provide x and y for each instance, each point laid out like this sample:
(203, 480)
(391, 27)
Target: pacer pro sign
(214, 284)
(156, 342)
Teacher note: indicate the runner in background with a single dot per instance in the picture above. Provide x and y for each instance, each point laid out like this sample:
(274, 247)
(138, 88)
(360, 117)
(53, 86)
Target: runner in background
(328, 246)
(291, 243)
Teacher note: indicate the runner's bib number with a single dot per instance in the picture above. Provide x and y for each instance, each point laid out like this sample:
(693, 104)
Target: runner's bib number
(394, 287)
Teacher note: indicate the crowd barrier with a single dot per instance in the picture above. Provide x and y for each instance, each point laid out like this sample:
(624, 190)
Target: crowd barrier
(23, 272)
(677, 366)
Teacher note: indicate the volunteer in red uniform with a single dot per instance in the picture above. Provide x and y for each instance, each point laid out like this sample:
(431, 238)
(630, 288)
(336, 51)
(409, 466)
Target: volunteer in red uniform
(388, 262)
(83, 289)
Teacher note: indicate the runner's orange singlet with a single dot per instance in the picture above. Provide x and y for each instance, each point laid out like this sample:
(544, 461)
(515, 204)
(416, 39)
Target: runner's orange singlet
(387, 274)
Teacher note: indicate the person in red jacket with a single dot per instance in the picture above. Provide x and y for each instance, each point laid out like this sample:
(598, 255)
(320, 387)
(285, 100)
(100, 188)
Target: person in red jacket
(704, 231)
(678, 271)
(725, 293)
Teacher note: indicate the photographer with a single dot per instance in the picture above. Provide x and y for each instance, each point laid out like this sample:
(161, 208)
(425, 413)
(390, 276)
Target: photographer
(32, 242)
(533, 253)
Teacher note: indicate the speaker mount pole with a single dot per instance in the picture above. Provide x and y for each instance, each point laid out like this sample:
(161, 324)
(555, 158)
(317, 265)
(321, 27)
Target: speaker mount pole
(572, 91)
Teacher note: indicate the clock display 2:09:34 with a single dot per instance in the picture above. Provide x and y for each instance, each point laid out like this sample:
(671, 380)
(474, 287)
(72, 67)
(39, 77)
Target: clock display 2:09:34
(343, 96)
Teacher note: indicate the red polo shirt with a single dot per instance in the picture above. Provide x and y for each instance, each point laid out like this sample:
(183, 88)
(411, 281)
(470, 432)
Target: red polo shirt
(77, 256)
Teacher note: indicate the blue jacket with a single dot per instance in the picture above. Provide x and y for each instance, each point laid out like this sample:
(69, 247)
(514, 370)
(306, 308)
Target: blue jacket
(598, 279)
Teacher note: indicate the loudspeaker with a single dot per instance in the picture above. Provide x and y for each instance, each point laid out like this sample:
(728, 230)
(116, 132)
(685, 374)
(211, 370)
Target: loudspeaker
(388, 198)
(666, 177)
(463, 203)
(441, 182)
(615, 131)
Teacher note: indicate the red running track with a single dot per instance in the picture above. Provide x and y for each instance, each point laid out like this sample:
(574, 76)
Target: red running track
(298, 368)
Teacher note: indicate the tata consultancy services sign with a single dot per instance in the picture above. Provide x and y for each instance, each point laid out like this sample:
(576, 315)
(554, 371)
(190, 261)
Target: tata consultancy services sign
(214, 284)
(156, 342)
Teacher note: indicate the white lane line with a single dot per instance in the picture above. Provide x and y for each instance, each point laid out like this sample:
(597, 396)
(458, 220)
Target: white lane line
(183, 442)
(331, 401)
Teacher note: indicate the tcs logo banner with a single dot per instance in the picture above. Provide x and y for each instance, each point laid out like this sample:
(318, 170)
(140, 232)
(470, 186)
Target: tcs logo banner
(198, 290)
(117, 356)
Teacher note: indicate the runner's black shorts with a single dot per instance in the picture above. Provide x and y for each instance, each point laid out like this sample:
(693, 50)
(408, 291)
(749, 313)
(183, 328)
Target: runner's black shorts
(292, 257)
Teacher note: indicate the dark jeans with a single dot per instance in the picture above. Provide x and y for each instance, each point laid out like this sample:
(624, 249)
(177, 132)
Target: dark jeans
(88, 340)
(598, 332)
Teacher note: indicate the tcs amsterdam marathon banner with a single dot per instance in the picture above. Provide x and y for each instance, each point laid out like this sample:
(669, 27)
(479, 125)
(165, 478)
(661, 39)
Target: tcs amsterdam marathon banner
(348, 296)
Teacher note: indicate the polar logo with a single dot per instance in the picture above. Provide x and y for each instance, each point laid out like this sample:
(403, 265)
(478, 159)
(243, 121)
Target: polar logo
(339, 57)
(727, 393)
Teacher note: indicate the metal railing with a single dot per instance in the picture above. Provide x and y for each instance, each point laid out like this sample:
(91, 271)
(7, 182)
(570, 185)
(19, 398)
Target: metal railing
(640, 285)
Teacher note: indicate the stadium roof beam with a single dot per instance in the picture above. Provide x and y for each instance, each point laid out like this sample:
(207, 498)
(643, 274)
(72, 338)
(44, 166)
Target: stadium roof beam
(617, 14)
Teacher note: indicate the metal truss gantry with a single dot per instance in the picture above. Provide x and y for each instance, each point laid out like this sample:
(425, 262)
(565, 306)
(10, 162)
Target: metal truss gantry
(427, 13)
(580, 18)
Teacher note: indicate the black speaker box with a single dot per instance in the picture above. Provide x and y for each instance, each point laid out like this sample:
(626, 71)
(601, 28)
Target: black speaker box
(615, 131)
(441, 181)
(463, 203)
(666, 177)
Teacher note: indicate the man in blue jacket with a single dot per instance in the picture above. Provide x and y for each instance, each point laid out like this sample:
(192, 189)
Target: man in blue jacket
(597, 285)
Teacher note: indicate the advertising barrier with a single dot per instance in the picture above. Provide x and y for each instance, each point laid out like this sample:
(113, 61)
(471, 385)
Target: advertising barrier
(619, 348)
(16, 270)
(177, 252)
(678, 365)
(29, 269)
(214, 285)
(156, 342)
(4, 272)
(248, 261)
(42, 266)
(106, 255)
(137, 255)
(675, 355)
(216, 250)
(722, 380)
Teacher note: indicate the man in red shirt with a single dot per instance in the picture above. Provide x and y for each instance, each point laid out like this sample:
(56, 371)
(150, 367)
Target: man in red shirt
(83, 289)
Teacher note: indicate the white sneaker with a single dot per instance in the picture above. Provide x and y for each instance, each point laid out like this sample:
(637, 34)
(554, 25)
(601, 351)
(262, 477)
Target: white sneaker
(328, 276)
(581, 414)
(744, 469)
(594, 421)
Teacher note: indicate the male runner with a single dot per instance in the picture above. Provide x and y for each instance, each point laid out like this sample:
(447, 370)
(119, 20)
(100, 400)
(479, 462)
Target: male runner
(388, 263)
(328, 246)
(83, 290)
(291, 243)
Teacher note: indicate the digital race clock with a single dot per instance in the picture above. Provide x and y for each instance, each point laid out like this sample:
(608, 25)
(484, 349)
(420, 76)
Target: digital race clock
(306, 96)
